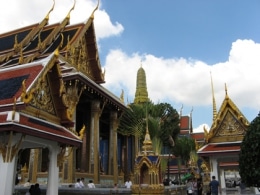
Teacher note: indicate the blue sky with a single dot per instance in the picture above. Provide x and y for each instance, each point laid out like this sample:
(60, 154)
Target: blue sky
(201, 30)
(178, 43)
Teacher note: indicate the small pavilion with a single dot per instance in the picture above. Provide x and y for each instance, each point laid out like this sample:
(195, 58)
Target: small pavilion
(147, 170)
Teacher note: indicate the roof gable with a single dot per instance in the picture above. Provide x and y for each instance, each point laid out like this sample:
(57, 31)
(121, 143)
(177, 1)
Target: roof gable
(229, 125)
(12, 79)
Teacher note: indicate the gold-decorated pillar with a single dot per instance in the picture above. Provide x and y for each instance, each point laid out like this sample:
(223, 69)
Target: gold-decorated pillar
(33, 164)
(113, 168)
(94, 141)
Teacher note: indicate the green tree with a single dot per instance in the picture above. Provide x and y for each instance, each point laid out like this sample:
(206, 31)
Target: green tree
(163, 121)
(249, 156)
(183, 147)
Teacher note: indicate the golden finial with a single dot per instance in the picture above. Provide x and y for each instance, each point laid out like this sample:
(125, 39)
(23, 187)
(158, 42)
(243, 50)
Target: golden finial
(25, 97)
(68, 16)
(226, 91)
(122, 96)
(48, 14)
(206, 134)
(92, 15)
(81, 132)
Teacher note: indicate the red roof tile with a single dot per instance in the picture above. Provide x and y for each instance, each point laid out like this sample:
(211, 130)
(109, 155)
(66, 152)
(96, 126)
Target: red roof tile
(220, 148)
(39, 128)
(28, 71)
(185, 123)
(227, 164)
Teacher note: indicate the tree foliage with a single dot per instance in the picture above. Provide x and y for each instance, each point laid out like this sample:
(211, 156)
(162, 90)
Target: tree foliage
(163, 121)
(183, 147)
(249, 157)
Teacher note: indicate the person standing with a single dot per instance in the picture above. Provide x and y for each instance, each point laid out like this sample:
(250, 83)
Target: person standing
(81, 183)
(91, 184)
(189, 187)
(128, 183)
(77, 184)
(36, 190)
(214, 186)
(30, 191)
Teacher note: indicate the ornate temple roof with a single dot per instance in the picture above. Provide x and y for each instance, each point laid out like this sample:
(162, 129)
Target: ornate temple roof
(23, 93)
(43, 59)
(227, 130)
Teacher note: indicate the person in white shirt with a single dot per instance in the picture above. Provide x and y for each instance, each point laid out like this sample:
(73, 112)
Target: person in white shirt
(128, 184)
(77, 184)
(91, 184)
(82, 183)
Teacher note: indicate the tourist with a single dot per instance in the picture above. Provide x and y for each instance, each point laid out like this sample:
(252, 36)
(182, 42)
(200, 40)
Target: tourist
(77, 184)
(91, 184)
(214, 186)
(128, 183)
(189, 187)
(30, 191)
(36, 190)
(82, 183)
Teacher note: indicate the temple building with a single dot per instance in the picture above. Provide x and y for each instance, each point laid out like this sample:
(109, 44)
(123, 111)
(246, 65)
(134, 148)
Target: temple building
(220, 152)
(57, 121)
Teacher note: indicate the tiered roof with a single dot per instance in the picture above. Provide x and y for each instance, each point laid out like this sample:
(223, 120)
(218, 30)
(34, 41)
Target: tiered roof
(37, 65)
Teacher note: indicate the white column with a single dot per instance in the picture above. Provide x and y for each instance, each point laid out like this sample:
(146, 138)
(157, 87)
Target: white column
(53, 171)
(8, 173)
(222, 179)
(214, 168)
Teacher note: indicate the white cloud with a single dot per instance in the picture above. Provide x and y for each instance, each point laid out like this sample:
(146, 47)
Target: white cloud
(187, 81)
(16, 13)
(200, 128)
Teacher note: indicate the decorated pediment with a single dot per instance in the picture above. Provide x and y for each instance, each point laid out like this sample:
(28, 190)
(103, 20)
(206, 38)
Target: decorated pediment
(229, 129)
(229, 125)
(46, 96)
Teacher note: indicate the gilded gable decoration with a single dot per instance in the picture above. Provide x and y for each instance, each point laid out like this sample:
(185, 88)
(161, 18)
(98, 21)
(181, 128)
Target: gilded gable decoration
(42, 97)
(77, 57)
(229, 124)
(73, 91)
(26, 97)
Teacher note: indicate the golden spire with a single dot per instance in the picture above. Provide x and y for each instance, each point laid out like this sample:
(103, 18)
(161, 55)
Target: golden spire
(122, 97)
(213, 100)
(141, 93)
